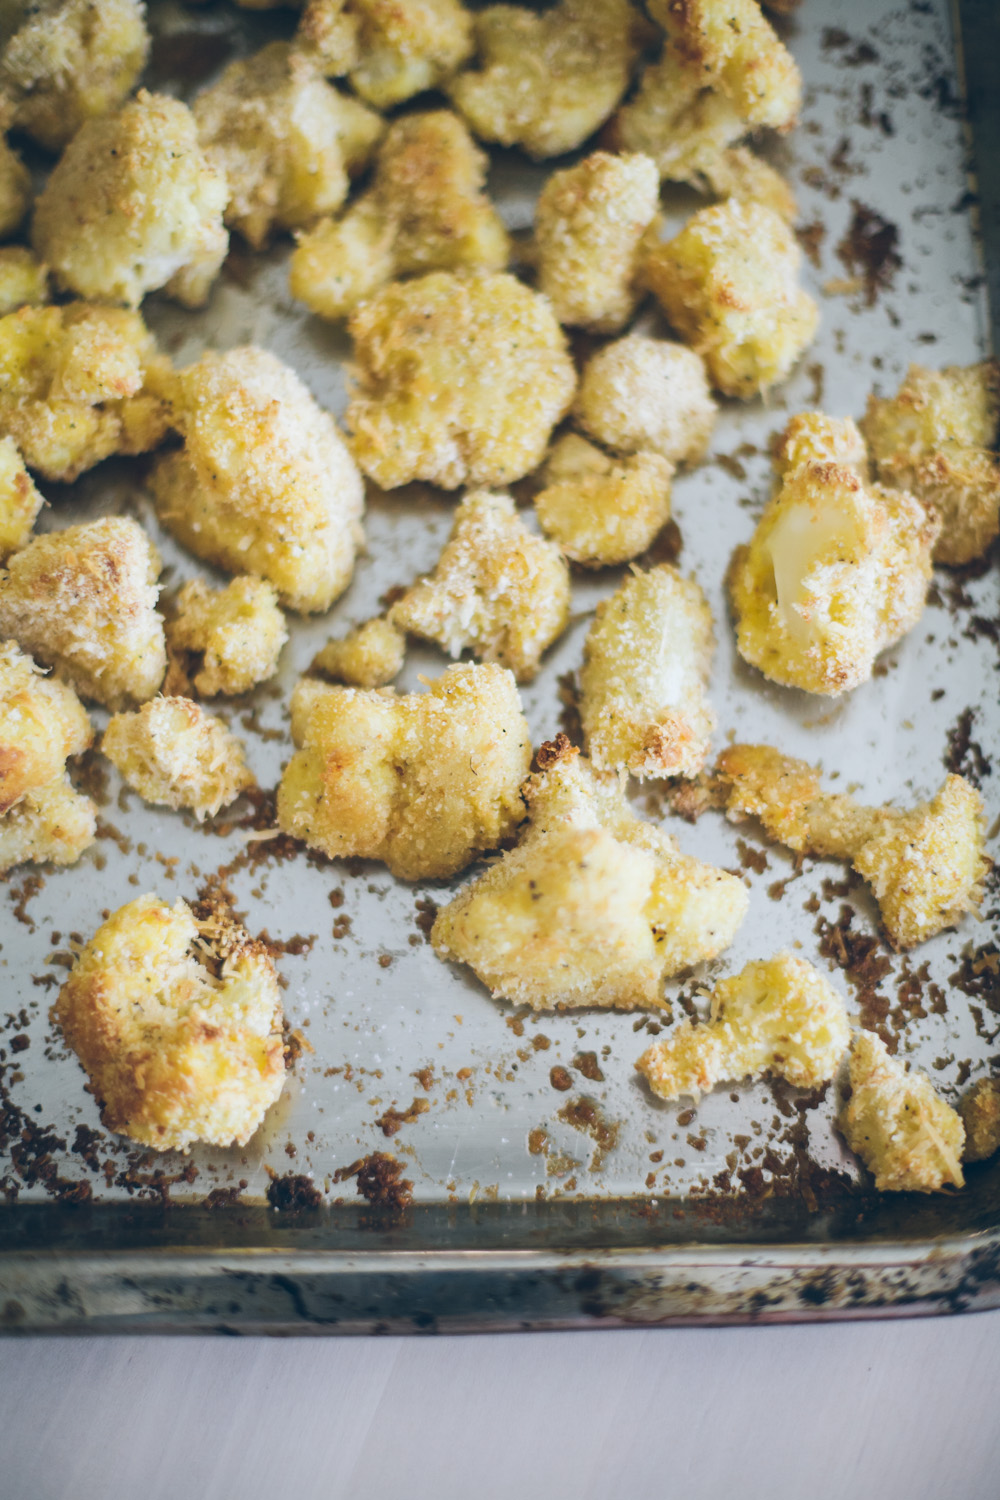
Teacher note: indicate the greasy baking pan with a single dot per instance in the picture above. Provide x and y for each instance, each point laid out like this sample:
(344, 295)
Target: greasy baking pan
(443, 1161)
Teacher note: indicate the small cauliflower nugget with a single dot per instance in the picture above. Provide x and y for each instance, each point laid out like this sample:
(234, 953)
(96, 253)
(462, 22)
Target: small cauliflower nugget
(643, 394)
(15, 190)
(907, 1137)
(42, 721)
(779, 1016)
(174, 753)
(600, 510)
(980, 1113)
(51, 824)
(24, 280)
(392, 49)
(461, 380)
(264, 482)
(177, 1022)
(368, 657)
(20, 502)
(497, 590)
(236, 633)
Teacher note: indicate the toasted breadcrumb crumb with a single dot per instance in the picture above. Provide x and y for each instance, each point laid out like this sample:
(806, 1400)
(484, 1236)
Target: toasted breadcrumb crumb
(15, 190)
(174, 753)
(368, 657)
(980, 1113)
(24, 280)
(599, 510)
(237, 632)
(42, 721)
(51, 824)
(392, 49)
(20, 501)
(907, 1137)
(644, 394)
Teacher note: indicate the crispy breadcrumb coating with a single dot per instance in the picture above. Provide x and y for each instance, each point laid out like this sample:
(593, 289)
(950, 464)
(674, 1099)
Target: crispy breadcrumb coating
(739, 173)
(368, 657)
(392, 49)
(907, 1137)
(177, 1022)
(42, 721)
(779, 1016)
(497, 590)
(593, 907)
(52, 824)
(24, 279)
(460, 380)
(174, 753)
(814, 438)
(600, 510)
(980, 1113)
(15, 190)
(237, 632)
(424, 781)
(643, 394)
(20, 502)
(264, 482)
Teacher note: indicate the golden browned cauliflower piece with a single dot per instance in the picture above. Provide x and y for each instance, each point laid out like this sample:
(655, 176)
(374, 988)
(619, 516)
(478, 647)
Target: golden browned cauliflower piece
(264, 482)
(600, 510)
(546, 82)
(426, 210)
(24, 280)
(497, 590)
(593, 224)
(42, 721)
(392, 49)
(177, 1022)
(424, 781)
(368, 657)
(51, 824)
(236, 633)
(934, 438)
(740, 174)
(83, 601)
(460, 380)
(20, 502)
(925, 866)
(907, 1137)
(814, 438)
(779, 1016)
(593, 907)
(980, 1113)
(729, 285)
(133, 205)
(646, 660)
(15, 190)
(643, 394)
(174, 753)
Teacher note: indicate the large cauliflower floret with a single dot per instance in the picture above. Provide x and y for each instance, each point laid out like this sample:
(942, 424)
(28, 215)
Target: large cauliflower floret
(426, 210)
(83, 601)
(497, 590)
(646, 660)
(460, 380)
(42, 721)
(20, 501)
(925, 866)
(174, 753)
(934, 438)
(177, 1022)
(729, 285)
(644, 394)
(24, 279)
(907, 1137)
(15, 190)
(593, 907)
(392, 49)
(51, 824)
(133, 205)
(264, 482)
(235, 633)
(600, 510)
(980, 1112)
(779, 1016)
(368, 657)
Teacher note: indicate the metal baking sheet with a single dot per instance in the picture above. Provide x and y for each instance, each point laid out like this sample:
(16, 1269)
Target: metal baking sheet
(536, 1205)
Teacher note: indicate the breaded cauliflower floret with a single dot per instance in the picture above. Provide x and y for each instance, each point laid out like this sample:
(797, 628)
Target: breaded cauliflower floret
(264, 482)
(925, 866)
(424, 781)
(779, 1016)
(20, 502)
(907, 1137)
(368, 657)
(460, 380)
(15, 190)
(177, 1022)
(646, 660)
(593, 907)
(600, 510)
(740, 174)
(174, 753)
(593, 225)
(42, 721)
(643, 394)
(980, 1113)
(392, 49)
(426, 210)
(133, 205)
(51, 824)
(729, 285)
(83, 601)
(934, 438)
(497, 590)
(814, 438)
(547, 82)
(24, 280)
(237, 632)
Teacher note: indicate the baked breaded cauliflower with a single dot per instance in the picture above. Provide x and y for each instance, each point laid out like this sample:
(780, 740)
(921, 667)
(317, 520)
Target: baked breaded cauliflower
(925, 866)
(814, 438)
(237, 634)
(177, 1023)
(368, 657)
(133, 205)
(51, 824)
(646, 661)
(907, 1137)
(174, 753)
(392, 49)
(729, 285)
(424, 781)
(980, 1113)
(600, 510)
(547, 81)
(15, 190)
(461, 379)
(778, 1016)
(20, 502)
(497, 589)
(42, 722)
(934, 438)
(425, 210)
(593, 907)
(740, 174)
(83, 601)
(644, 394)
(24, 279)
(593, 224)
(264, 482)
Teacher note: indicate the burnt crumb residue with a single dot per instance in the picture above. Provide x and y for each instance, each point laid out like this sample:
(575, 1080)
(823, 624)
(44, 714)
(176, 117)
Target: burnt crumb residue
(811, 237)
(570, 723)
(584, 1115)
(978, 976)
(964, 756)
(426, 916)
(851, 51)
(587, 1064)
(560, 1079)
(293, 1192)
(380, 1180)
(865, 962)
(225, 1197)
(393, 1120)
(870, 250)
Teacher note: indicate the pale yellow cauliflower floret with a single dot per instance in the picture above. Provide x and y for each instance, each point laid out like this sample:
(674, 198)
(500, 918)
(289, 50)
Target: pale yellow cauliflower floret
(264, 482)
(600, 510)
(177, 1022)
(51, 824)
(423, 781)
(368, 657)
(814, 438)
(83, 601)
(729, 285)
(907, 1137)
(426, 210)
(24, 279)
(20, 501)
(980, 1113)
(925, 866)
(497, 589)
(174, 753)
(133, 205)
(646, 661)
(934, 438)
(779, 1016)
(593, 907)
(237, 634)
(392, 49)
(644, 394)
(15, 189)
(460, 380)
(42, 721)
(593, 224)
